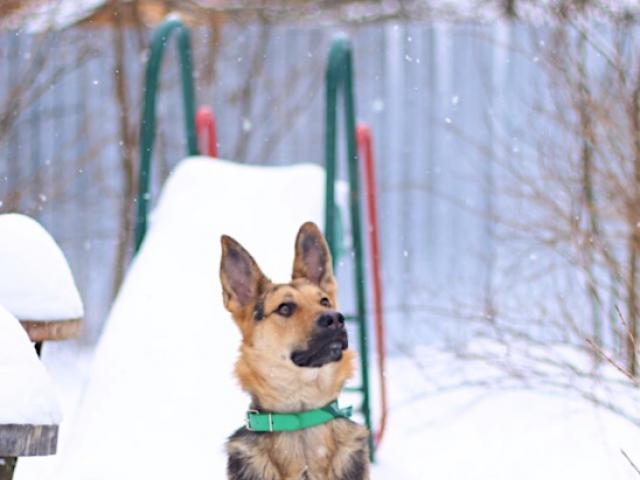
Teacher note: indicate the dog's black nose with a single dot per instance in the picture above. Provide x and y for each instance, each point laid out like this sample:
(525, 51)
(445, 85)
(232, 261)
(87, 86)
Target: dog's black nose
(333, 320)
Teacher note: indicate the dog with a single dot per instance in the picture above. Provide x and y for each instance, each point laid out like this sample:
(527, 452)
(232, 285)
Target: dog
(294, 358)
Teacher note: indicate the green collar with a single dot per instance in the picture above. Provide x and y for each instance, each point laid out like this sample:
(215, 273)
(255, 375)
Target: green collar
(289, 422)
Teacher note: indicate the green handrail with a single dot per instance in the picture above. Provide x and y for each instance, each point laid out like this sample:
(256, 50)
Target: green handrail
(339, 78)
(147, 129)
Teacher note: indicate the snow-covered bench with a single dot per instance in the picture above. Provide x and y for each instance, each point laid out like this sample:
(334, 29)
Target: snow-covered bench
(29, 411)
(36, 290)
(36, 284)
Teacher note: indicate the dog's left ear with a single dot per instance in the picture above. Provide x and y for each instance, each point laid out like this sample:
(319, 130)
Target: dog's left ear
(313, 258)
(241, 278)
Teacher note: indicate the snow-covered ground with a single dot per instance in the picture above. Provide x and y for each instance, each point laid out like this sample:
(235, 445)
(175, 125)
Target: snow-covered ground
(159, 398)
(475, 433)
(461, 434)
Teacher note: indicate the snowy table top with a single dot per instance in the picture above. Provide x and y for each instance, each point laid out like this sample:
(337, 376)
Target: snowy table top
(36, 284)
(28, 440)
(29, 410)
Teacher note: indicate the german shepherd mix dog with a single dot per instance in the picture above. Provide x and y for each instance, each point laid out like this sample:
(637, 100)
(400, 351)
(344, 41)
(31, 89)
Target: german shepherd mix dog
(293, 362)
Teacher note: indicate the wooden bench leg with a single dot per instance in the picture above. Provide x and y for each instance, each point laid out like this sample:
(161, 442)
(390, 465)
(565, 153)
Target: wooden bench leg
(7, 466)
(38, 346)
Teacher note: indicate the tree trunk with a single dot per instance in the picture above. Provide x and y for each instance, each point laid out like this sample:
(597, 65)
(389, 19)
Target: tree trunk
(632, 309)
(247, 92)
(126, 143)
(586, 154)
(634, 239)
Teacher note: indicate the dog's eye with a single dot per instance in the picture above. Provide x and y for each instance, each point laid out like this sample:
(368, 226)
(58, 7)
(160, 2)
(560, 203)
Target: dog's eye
(285, 309)
(325, 302)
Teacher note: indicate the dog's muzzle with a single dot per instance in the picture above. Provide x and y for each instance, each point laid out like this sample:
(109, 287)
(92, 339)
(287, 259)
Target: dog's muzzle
(326, 344)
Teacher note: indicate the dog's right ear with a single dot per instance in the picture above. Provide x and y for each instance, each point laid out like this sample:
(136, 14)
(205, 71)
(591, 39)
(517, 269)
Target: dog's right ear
(313, 258)
(242, 280)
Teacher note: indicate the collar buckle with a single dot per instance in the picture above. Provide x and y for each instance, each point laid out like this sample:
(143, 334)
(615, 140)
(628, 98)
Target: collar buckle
(247, 420)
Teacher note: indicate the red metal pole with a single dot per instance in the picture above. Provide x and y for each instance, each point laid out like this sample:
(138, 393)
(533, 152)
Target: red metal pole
(206, 132)
(365, 148)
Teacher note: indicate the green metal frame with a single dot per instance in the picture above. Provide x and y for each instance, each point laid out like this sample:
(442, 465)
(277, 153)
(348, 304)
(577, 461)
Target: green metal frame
(148, 128)
(339, 79)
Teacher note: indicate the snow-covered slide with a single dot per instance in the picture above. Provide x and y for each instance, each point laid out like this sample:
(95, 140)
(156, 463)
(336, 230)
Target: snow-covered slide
(162, 397)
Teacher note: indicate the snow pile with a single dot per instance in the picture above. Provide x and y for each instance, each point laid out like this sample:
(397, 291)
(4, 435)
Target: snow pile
(487, 433)
(27, 394)
(162, 398)
(35, 279)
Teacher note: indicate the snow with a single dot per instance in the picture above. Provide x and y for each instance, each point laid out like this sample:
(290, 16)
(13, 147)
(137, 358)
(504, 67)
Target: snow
(466, 433)
(27, 395)
(68, 364)
(36, 282)
(161, 384)
(495, 434)
(52, 15)
(161, 398)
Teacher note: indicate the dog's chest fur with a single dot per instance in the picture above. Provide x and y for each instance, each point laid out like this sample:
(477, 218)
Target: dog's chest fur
(334, 451)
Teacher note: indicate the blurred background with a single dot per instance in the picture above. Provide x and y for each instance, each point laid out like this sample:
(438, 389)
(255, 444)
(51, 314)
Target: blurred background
(507, 142)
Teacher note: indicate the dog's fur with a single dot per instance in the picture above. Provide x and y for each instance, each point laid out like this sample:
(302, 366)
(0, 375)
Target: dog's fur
(292, 358)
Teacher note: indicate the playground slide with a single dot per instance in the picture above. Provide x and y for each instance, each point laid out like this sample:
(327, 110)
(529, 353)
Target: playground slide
(162, 397)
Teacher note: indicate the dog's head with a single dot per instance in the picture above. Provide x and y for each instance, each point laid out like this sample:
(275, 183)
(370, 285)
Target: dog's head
(294, 342)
